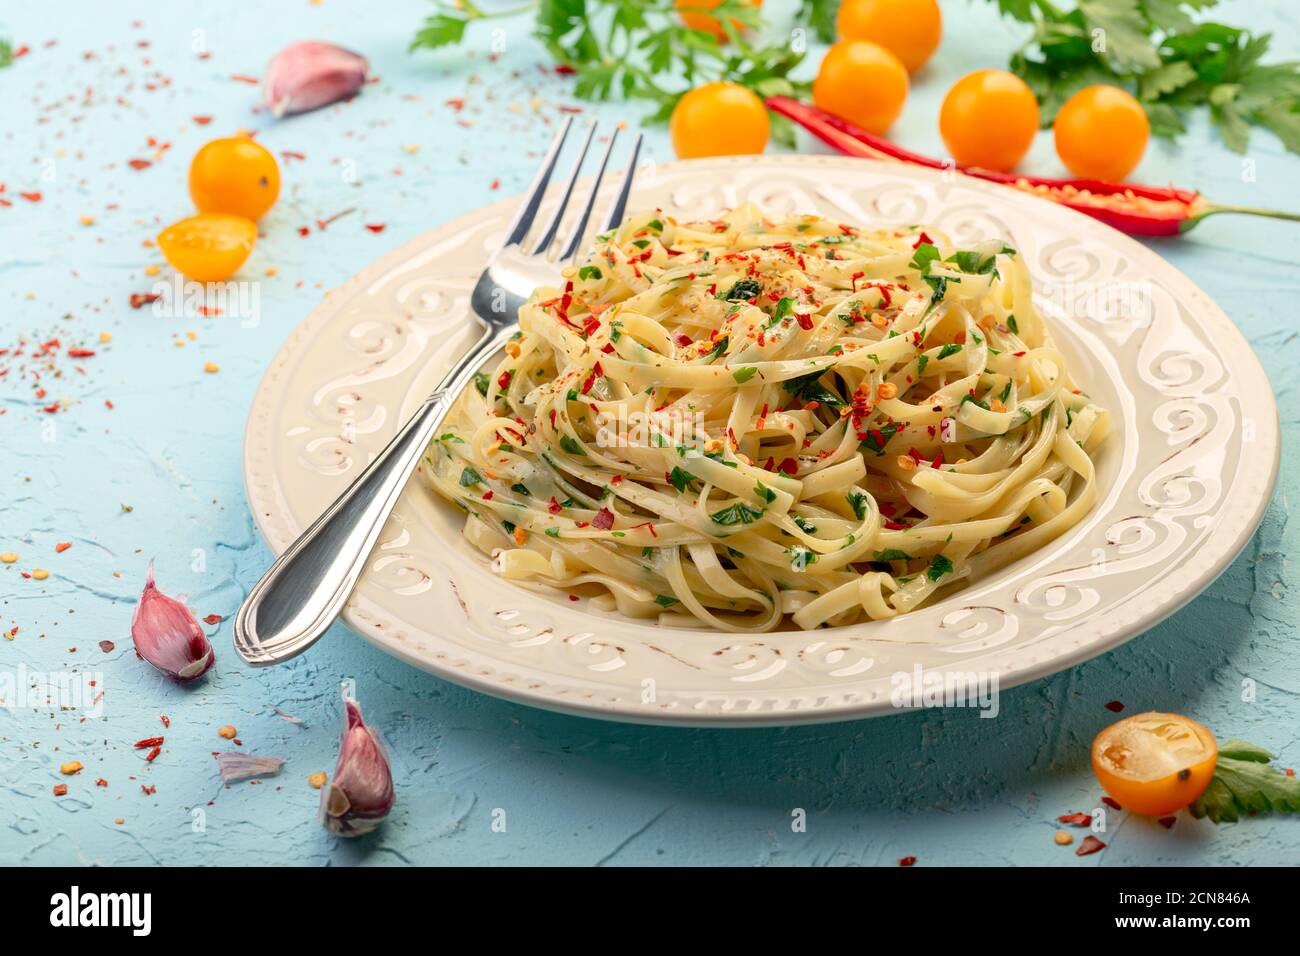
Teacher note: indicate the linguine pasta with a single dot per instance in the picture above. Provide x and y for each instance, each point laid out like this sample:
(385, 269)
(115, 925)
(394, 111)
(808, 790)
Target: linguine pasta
(746, 422)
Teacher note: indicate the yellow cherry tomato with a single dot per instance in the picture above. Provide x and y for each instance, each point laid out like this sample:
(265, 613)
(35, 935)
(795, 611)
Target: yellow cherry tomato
(719, 119)
(1154, 763)
(236, 175)
(702, 21)
(989, 119)
(863, 83)
(1101, 133)
(208, 247)
(909, 29)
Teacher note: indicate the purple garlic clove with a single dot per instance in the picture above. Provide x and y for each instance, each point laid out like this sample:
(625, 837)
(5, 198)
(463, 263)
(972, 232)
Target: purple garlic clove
(167, 635)
(360, 794)
(311, 74)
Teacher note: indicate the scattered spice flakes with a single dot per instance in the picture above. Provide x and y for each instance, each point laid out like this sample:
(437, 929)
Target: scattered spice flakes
(62, 546)
(317, 780)
(213, 619)
(60, 789)
(1110, 802)
(1076, 819)
(101, 782)
(376, 226)
(1114, 706)
(141, 299)
(148, 791)
(139, 163)
(108, 647)
(202, 120)
(907, 861)
(1089, 846)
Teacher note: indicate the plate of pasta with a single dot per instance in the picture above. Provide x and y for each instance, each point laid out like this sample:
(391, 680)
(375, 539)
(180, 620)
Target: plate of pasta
(803, 434)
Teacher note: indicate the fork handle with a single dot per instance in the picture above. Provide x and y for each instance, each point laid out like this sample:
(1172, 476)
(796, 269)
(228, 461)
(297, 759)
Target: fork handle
(304, 590)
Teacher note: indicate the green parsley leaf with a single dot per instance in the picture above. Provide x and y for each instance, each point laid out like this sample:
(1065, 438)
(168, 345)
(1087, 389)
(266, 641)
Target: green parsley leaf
(742, 375)
(1245, 783)
(680, 478)
(939, 566)
(469, 477)
(738, 513)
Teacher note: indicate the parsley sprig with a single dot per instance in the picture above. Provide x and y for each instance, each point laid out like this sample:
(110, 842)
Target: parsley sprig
(1171, 63)
(1163, 51)
(1244, 782)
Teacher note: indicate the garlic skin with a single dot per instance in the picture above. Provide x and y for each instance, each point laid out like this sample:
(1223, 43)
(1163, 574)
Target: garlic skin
(360, 794)
(311, 74)
(167, 635)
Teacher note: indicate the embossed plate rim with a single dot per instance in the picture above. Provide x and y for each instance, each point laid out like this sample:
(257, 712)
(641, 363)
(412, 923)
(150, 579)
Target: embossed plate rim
(469, 662)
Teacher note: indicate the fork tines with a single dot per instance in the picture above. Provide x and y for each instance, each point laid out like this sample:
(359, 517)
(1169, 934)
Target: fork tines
(528, 210)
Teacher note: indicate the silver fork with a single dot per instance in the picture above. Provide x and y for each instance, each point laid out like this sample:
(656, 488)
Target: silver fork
(304, 590)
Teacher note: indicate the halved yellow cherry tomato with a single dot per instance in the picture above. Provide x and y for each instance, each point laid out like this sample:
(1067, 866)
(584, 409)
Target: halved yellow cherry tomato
(208, 247)
(989, 119)
(909, 29)
(1101, 133)
(1154, 763)
(863, 83)
(719, 119)
(235, 175)
(702, 21)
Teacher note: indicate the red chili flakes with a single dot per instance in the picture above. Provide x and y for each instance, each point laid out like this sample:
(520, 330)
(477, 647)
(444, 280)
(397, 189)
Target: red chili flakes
(62, 546)
(554, 507)
(148, 742)
(108, 647)
(80, 353)
(213, 619)
(376, 226)
(101, 782)
(148, 791)
(1089, 846)
(1114, 706)
(31, 197)
(907, 861)
(456, 104)
(60, 789)
(153, 754)
(1076, 819)
(503, 380)
(496, 184)
(141, 299)
(166, 721)
(245, 78)
(202, 120)
(288, 154)
(1110, 802)
(139, 163)
(304, 230)
(564, 69)
(604, 519)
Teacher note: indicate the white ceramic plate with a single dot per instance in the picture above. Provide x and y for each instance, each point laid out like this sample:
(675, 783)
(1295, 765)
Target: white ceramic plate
(1185, 477)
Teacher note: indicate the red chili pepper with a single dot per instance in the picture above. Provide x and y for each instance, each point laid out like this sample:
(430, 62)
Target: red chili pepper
(1129, 207)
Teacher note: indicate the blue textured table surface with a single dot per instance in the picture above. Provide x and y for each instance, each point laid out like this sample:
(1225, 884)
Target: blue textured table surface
(158, 474)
